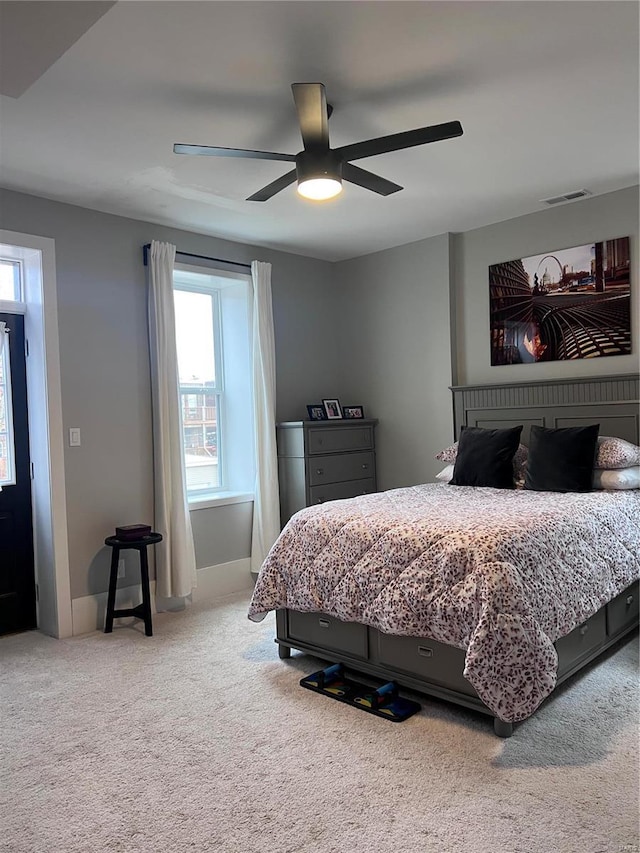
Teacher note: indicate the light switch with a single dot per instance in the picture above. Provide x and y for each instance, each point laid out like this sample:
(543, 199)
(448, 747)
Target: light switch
(74, 437)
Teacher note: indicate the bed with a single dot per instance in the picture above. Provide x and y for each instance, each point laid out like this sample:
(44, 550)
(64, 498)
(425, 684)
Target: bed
(489, 598)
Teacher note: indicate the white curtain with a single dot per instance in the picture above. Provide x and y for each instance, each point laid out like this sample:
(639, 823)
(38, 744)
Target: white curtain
(266, 505)
(175, 556)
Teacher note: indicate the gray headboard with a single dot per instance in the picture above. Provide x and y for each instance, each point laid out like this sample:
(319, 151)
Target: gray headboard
(611, 401)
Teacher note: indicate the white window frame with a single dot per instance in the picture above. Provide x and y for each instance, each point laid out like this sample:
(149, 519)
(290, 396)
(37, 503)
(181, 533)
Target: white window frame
(228, 491)
(216, 390)
(11, 306)
(16, 263)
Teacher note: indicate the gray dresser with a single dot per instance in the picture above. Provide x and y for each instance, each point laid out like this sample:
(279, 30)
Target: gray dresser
(322, 461)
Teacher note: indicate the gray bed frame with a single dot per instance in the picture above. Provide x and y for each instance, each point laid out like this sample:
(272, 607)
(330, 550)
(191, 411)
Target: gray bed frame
(425, 666)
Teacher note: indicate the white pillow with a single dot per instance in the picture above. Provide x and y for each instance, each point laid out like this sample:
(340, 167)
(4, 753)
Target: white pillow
(620, 478)
(446, 474)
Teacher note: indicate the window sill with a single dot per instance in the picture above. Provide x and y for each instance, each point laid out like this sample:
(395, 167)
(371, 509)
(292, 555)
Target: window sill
(9, 306)
(219, 499)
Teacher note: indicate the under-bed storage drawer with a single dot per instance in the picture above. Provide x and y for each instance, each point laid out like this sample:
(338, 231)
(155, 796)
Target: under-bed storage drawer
(438, 662)
(623, 612)
(329, 632)
(581, 640)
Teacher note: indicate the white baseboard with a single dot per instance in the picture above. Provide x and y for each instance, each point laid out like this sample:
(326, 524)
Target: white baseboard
(214, 582)
(224, 579)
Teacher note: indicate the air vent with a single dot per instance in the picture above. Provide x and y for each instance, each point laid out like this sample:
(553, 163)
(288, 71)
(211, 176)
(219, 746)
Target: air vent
(571, 196)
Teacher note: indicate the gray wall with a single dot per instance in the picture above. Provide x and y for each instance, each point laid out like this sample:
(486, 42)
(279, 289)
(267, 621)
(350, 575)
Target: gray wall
(397, 335)
(600, 218)
(390, 331)
(105, 369)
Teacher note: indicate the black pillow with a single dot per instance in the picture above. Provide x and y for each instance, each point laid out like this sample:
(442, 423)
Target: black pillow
(485, 457)
(562, 459)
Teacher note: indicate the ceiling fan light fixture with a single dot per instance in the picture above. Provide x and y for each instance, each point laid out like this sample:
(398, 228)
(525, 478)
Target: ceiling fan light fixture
(319, 173)
(319, 189)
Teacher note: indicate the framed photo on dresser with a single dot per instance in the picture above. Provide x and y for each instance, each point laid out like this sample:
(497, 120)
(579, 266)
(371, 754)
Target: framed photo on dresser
(332, 409)
(353, 412)
(316, 412)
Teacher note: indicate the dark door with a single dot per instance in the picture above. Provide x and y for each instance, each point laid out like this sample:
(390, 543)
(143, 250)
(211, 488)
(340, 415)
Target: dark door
(17, 581)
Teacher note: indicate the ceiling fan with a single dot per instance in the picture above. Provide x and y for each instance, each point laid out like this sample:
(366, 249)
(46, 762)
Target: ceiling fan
(320, 169)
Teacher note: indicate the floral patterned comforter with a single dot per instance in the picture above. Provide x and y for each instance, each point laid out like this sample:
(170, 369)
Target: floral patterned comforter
(499, 573)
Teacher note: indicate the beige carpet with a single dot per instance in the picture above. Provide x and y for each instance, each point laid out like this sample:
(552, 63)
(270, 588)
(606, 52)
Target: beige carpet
(200, 739)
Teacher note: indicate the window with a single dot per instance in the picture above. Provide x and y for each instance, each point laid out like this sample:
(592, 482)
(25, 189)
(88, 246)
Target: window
(10, 280)
(212, 338)
(7, 452)
(11, 290)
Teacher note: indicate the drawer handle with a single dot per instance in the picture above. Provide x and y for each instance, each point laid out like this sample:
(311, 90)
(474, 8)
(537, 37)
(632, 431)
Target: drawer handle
(629, 600)
(320, 500)
(324, 623)
(320, 471)
(425, 651)
(583, 630)
(365, 466)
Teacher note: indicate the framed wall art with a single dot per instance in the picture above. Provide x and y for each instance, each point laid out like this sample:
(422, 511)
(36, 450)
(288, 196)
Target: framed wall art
(562, 305)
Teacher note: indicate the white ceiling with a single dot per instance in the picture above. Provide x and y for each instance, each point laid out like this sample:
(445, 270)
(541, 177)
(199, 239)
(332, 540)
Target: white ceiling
(547, 94)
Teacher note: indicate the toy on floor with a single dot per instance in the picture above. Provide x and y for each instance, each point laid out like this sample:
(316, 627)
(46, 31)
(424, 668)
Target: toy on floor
(383, 701)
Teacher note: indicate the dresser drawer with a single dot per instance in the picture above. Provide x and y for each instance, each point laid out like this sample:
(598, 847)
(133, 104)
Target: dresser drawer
(322, 461)
(340, 491)
(438, 662)
(329, 632)
(581, 640)
(338, 439)
(335, 469)
(623, 611)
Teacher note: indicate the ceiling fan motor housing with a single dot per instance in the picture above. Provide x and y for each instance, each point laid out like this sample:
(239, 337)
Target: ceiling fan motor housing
(314, 163)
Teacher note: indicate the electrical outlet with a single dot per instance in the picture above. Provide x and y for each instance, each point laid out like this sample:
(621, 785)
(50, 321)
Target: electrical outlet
(120, 568)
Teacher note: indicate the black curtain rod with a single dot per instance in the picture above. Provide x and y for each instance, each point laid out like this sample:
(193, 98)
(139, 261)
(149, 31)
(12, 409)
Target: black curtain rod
(147, 246)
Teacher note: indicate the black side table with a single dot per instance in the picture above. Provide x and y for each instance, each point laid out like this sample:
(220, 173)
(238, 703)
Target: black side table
(142, 611)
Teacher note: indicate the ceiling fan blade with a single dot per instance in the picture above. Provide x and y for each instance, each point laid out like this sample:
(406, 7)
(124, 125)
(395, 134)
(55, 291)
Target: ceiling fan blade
(398, 141)
(209, 151)
(311, 105)
(368, 180)
(271, 189)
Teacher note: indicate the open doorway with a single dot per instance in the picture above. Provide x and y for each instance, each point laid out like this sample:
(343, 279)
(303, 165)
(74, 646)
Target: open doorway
(36, 302)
